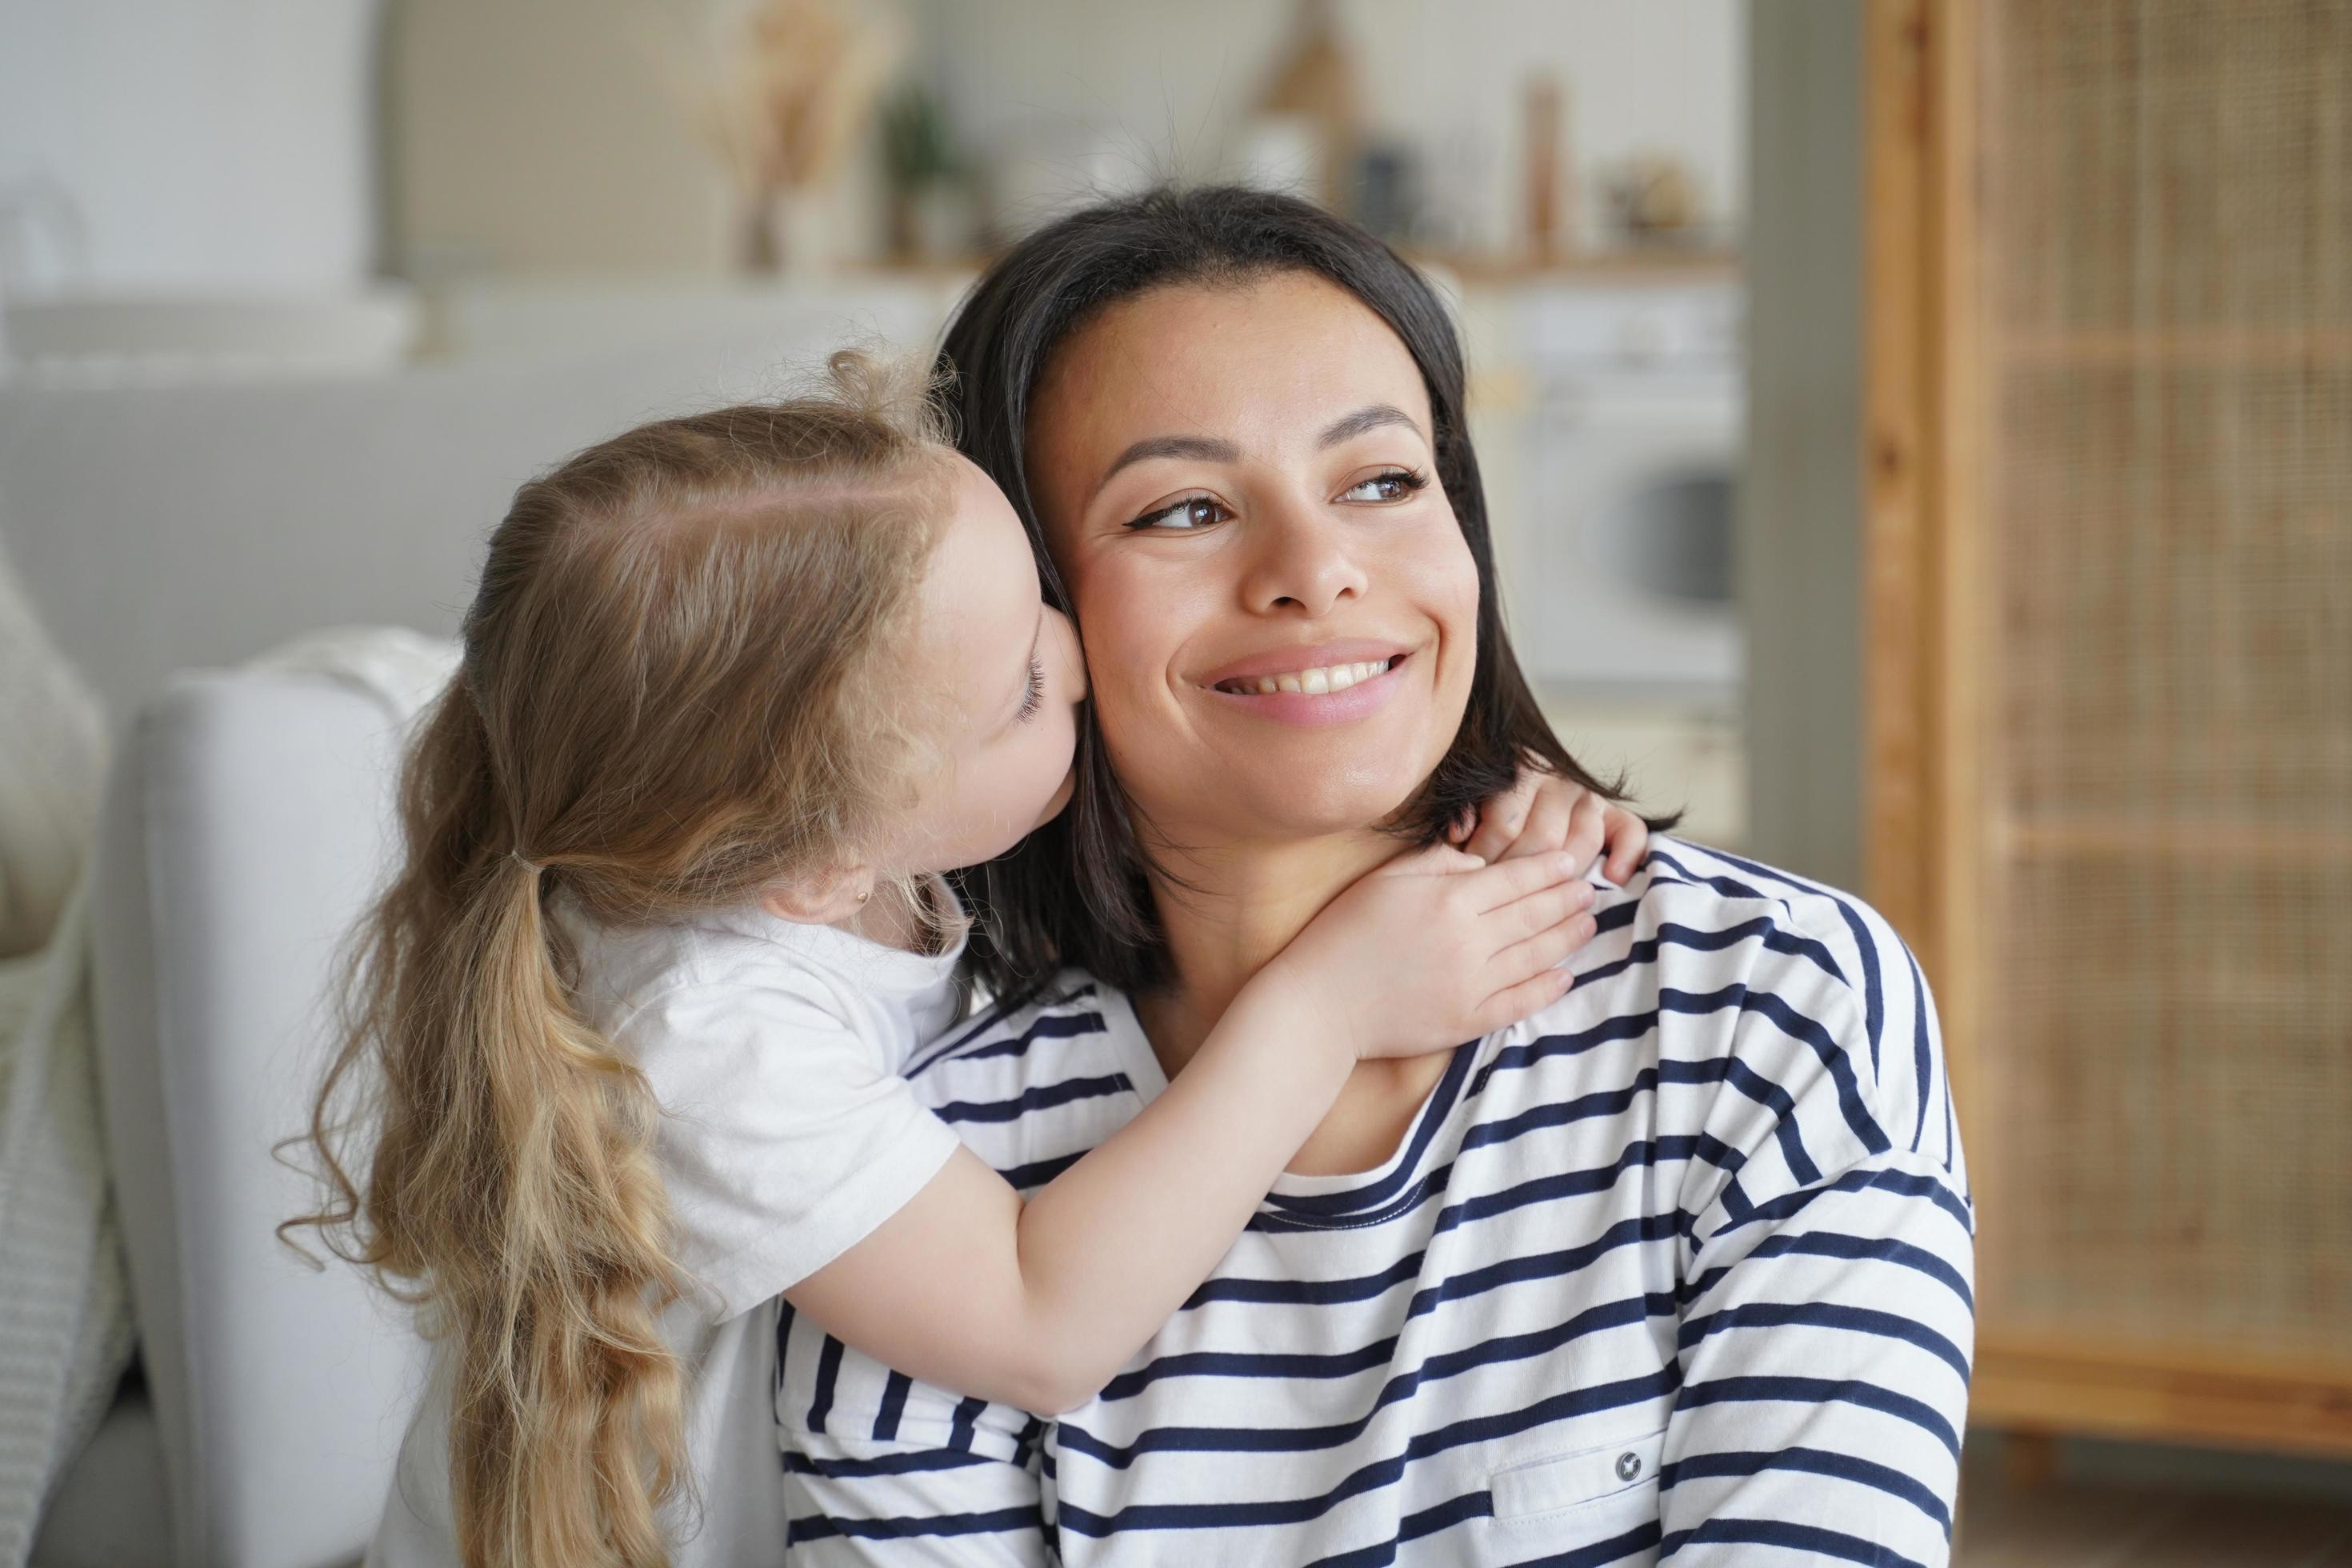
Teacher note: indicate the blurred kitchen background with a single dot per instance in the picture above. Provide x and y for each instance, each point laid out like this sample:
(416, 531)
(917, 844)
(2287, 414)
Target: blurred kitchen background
(1919, 436)
(497, 230)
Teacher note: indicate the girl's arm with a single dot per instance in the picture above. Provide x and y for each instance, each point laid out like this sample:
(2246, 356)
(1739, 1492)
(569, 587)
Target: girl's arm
(1038, 1305)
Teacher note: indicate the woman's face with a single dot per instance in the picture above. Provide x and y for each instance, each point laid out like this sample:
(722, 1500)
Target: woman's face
(1278, 608)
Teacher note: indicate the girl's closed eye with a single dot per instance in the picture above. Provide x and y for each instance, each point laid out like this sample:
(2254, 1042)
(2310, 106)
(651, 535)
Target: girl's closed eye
(1033, 700)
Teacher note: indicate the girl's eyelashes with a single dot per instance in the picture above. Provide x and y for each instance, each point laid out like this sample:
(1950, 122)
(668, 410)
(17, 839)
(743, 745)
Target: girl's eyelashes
(1033, 702)
(1183, 516)
(1389, 485)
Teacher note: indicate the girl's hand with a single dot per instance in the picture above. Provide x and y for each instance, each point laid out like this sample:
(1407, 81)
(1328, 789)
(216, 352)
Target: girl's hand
(1542, 813)
(1435, 948)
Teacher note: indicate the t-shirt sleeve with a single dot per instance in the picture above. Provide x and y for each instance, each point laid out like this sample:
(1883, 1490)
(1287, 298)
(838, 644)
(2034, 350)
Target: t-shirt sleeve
(787, 1136)
(1827, 1318)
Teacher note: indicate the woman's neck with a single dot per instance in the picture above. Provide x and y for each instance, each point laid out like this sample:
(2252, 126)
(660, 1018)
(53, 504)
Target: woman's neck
(1236, 909)
(1227, 913)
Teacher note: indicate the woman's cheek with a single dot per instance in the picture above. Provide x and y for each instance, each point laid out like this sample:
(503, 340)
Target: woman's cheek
(1435, 570)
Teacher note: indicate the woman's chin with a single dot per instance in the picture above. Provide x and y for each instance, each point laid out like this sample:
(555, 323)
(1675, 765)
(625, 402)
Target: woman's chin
(1290, 807)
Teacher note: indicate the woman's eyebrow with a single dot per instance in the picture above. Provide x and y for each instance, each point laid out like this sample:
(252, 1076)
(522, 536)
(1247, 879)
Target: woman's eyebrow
(1201, 448)
(1211, 450)
(1371, 417)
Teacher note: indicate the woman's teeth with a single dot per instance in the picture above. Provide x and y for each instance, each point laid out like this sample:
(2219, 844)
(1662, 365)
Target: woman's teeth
(1331, 678)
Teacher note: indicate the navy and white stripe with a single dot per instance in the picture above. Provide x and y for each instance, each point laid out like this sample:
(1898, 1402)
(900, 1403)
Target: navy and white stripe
(1678, 1269)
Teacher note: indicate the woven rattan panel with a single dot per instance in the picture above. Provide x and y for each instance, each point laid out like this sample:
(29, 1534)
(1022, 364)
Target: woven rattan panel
(2165, 1064)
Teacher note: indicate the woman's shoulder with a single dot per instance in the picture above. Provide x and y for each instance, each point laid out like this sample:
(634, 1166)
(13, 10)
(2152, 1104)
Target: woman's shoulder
(1754, 979)
(1698, 902)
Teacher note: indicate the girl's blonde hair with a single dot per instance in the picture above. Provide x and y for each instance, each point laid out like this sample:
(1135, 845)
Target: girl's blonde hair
(668, 700)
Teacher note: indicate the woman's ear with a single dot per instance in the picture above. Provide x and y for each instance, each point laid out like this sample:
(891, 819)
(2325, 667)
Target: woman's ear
(822, 898)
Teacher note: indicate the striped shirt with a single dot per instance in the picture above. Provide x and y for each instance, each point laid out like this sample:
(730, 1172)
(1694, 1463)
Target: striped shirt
(1677, 1270)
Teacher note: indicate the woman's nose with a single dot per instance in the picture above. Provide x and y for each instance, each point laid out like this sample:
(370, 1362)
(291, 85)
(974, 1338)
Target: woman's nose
(1302, 560)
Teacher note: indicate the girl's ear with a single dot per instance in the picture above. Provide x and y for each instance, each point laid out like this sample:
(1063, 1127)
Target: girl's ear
(825, 899)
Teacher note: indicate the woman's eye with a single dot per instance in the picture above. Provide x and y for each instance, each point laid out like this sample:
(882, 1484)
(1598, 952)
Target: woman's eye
(1394, 485)
(1192, 512)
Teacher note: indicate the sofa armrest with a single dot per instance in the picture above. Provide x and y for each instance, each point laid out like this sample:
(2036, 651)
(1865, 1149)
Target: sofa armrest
(248, 823)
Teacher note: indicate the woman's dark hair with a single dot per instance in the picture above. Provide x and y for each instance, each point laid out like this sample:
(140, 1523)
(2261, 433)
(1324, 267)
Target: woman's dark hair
(997, 348)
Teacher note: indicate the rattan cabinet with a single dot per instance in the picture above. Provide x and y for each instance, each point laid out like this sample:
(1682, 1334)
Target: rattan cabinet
(2108, 739)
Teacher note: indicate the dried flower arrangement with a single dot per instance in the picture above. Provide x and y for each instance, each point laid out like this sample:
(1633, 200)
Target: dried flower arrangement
(783, 111)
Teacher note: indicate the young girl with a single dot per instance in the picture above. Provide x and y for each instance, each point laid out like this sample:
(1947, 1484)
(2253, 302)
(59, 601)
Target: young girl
(636, 1015)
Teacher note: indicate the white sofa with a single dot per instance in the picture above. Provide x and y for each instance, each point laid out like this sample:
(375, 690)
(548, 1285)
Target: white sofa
(248, 820)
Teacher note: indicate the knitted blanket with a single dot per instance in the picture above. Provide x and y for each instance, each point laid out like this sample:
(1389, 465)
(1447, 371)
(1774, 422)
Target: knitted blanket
(65, 1309)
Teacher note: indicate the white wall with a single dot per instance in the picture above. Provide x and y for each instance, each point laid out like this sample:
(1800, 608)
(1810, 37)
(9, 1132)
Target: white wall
(547, 135)
(205, 143)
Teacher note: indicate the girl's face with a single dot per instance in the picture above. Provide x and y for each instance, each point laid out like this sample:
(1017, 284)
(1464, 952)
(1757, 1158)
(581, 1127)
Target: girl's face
(1280, 612)
(995, 678)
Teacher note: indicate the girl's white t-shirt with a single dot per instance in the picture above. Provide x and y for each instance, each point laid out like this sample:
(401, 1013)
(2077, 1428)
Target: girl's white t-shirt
(789, 1134)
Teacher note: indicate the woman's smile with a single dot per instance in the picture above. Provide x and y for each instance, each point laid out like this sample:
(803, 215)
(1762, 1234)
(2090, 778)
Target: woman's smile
(1331, 683)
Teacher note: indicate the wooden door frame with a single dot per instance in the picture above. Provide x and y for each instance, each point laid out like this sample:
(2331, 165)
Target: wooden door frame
(1924, 453)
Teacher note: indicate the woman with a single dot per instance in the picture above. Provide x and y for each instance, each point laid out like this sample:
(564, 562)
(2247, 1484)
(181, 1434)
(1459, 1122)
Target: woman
(1679, 1267)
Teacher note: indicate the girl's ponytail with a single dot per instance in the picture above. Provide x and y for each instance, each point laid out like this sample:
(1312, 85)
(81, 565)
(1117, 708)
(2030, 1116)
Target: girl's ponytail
(514, 1180)
(665, 704)
(565, 1433)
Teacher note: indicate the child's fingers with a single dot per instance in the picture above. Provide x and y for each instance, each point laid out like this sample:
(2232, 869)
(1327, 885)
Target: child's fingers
(1629, 842)
(1508, 882)
(1530, 997)
(1538, 912)
(1431, 860)
(1501, 819)
(1546, 947)
(1548, 819)
(1587, 825)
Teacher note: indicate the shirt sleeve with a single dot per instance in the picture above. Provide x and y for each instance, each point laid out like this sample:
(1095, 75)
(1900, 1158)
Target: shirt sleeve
(1827, 1314)
(787, 1136)
(882, 1470)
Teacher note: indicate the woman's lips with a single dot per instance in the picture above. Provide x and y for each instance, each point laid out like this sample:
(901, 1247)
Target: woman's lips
(1361, 696)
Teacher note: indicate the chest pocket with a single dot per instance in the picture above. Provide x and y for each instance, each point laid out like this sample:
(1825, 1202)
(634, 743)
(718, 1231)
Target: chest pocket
(1566, 1481)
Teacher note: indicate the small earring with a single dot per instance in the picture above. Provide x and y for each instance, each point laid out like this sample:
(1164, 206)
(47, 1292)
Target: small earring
(865, 895)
